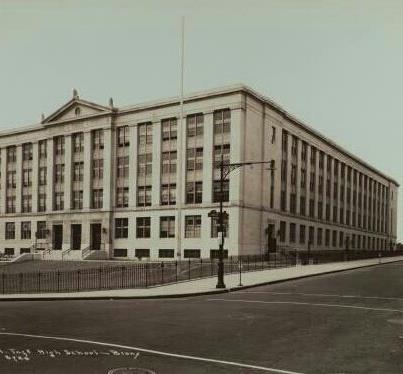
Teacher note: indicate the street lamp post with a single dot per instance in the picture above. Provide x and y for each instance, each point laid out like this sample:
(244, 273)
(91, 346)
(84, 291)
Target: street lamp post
(225, 170)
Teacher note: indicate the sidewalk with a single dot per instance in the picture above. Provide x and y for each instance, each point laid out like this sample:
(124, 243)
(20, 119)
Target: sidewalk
(207, 285)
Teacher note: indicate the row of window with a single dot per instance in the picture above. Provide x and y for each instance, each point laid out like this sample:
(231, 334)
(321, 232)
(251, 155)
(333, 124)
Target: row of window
(312, 236)
(167, 253)
(167, 227)
(351, 187)
(143, 228)
(25, 230)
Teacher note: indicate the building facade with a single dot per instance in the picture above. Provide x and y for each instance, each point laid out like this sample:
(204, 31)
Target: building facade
(139, 182)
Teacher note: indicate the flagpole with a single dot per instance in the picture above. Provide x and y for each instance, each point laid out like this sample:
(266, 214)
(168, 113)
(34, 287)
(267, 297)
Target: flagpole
(180, 145)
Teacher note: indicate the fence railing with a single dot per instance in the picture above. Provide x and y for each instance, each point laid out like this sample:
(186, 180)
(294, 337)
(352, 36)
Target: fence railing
(143, 275)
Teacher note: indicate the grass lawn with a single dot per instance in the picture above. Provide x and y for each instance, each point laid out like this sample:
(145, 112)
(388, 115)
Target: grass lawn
(44, 266)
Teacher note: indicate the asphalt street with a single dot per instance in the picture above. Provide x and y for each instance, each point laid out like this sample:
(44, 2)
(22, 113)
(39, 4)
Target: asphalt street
(348, 322)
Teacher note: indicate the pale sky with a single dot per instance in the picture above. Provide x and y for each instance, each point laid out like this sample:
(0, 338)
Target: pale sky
(337, 65)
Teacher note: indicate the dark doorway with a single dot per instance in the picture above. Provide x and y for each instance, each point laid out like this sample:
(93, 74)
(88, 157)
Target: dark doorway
(57, 236)
(76, 237)
(96, 236)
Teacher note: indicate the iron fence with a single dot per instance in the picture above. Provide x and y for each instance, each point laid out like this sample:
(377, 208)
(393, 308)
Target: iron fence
(143, 275)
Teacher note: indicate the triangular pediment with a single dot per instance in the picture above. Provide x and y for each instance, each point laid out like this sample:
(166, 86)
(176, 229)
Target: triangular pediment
(76, 108)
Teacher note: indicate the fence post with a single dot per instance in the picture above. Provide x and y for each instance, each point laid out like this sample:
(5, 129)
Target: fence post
(162, 272)
(201, 268)
(240, 271)
(121, 276)
(189, 268)
(176, 271)
(78, 280)
(20, 275)
(3, 278)
(99, 277)
(146, 275)
(39, 282)
(58, 281)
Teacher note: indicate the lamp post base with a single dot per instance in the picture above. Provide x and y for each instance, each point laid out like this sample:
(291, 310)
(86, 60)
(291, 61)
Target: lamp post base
(220, 285)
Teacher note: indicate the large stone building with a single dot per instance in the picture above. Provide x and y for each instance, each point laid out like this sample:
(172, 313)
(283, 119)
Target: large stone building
(138, 182)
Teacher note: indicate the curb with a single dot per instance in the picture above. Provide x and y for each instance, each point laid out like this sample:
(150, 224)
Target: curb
(201, 293)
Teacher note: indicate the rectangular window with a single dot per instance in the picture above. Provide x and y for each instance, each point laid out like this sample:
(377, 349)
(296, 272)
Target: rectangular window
(78, 171)
(327, 238)
(169, 129)
(145, 133)
(78, 142)
(214, 253)
(98, 168)
(122, 197)
(121, 228)
(10, 230)
(194, 159)
(217, 191)
(26, 230)
(166, 253)
(41, 230)
(222, 121)
(282, 231)
(191, 253)
(273, 135)
(42, 175)
(143, 227)
(11, 154)
(42, 145)
(97, 139)
(311, 235)
(59, 201)
(334, 238)
(27, 152)
(194, 192)
(97, 198)
(42, 202)
(78, 199)
(145, 164)
(144, 196)
(58, 143)
(194, 123)
(9, 251)
(123, 134)
(167, 227)
(302, 233)
(142, 252)
(304, 148)
(293, 203)
(302, 205)
(26, 203)
(284, 141)
(59, 173)
(168, 162)
(192, 226)
(10, 204)
(224, 150)
(215, 226)
(292, 232)
(168, 194)
(120, 252)
(11, 179)
(122, 165)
